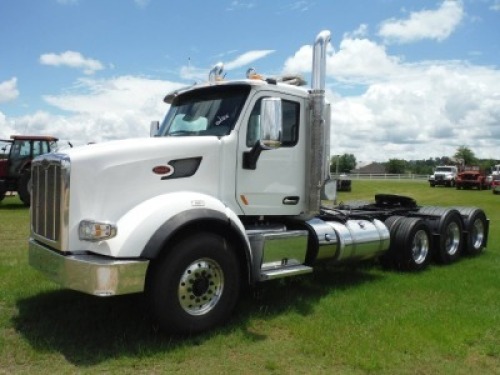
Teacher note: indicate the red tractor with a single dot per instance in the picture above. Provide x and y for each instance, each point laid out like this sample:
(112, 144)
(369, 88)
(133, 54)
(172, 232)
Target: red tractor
(15, 165)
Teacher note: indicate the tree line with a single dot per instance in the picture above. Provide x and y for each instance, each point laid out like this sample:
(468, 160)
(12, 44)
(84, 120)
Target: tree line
(346, 163)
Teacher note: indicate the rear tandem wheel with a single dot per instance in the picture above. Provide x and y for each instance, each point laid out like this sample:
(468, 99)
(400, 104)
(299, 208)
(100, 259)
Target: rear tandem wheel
(410, 248)
(447, 229)
(475, 229)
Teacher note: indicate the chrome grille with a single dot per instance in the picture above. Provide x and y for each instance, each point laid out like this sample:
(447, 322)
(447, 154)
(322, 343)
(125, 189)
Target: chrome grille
(49, 197)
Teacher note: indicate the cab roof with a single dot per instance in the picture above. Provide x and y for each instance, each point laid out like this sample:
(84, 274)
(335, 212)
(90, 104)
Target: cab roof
(272, 84)
(34, 137)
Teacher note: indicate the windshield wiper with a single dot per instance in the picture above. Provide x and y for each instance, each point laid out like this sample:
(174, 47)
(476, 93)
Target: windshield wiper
(183, 132)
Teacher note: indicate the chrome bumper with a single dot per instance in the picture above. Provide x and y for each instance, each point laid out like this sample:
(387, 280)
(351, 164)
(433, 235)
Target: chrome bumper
(91, 274)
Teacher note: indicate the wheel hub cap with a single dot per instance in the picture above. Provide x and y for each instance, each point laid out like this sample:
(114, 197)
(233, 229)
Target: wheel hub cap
(477, 234)
(452, 238)
(420, 247)
(200, 287)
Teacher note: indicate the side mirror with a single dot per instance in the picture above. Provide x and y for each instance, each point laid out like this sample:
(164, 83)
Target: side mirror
(271, 123)
(329, 190)
(271, 128)
(153, 128)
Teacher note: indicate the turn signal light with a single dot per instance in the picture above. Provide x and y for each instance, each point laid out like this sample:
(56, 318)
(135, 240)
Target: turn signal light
(90, 230)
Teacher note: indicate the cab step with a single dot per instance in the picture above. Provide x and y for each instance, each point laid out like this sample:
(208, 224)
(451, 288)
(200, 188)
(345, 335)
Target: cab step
(284, 271)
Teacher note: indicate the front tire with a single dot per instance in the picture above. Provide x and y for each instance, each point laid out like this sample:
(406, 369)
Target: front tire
(196, 286)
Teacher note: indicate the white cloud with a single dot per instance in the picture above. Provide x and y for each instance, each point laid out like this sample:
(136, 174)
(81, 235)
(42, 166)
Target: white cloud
(247, 58)
(72, 59)
(142, 3)
(8, 90)
(6, 127)
(363, 61)
(360, 32)
(101, 110)
(194, 74)
(197, 74)
(427, 24)
(300, 62)
(236, 4)
(495, 6)
(301, 6)
(358, 60)
(406, 110)
(429, 110)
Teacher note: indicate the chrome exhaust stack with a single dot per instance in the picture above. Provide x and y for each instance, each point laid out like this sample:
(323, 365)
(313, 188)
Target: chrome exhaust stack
(319, 145)
(319, 61)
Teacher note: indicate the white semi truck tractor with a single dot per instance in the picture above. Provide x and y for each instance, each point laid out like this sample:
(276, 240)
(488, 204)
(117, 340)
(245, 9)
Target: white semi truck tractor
(227, 193)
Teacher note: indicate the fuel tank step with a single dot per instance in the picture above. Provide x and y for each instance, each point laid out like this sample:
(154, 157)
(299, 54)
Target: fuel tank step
(284, 271)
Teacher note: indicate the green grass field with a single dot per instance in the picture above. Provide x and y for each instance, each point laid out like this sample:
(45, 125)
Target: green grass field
(351, 320)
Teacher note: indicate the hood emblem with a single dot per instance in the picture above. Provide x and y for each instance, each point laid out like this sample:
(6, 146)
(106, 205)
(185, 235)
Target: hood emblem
(163, 170)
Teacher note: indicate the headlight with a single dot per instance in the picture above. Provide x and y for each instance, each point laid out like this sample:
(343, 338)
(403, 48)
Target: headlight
(90, 230)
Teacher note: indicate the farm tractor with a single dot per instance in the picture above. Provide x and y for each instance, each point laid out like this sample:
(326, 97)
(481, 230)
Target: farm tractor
(15, 167)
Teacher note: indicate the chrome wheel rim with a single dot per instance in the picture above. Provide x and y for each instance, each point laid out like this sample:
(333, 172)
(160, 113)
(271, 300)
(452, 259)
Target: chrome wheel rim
(201, 286)
(477, 233)
(420, 247)
(452, 238)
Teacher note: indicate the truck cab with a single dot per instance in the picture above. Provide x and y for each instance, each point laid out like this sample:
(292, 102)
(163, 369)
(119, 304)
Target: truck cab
(444, 175)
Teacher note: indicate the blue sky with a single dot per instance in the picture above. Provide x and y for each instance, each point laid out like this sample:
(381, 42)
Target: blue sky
(407, 79)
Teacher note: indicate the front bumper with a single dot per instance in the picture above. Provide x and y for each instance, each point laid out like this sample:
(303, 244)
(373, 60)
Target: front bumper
(88, 273)
(468, 184)
(441, 181)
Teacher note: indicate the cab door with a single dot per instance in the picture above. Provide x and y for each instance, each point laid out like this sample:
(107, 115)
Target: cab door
(277, 184)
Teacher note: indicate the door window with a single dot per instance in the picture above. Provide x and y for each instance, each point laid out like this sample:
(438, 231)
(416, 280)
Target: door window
(291, 116)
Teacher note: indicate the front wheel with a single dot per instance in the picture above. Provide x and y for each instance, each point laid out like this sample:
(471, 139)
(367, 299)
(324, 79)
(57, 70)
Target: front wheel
(196, 286)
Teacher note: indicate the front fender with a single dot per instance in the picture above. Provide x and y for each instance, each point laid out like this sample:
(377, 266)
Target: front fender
(143, 230)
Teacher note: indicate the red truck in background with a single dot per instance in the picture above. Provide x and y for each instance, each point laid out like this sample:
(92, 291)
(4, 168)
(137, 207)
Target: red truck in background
(472, 177)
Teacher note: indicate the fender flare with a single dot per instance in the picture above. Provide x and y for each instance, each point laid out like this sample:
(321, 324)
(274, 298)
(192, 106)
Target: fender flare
(174, 224)
(215, 212)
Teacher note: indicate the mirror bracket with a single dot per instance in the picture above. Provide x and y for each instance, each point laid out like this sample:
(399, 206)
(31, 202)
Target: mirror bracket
(251, 157)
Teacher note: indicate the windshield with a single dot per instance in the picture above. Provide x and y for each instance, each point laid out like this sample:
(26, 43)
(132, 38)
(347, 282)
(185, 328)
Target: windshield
(208, 111)
(443, 169)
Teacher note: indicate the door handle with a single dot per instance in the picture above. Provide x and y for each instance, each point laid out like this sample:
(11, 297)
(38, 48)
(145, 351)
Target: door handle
(290, 201)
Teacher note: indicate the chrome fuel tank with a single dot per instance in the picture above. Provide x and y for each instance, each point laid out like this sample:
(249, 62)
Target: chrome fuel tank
(353, 239)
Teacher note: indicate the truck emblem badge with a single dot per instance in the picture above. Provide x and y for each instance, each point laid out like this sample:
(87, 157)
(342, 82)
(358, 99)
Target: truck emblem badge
(164, 170)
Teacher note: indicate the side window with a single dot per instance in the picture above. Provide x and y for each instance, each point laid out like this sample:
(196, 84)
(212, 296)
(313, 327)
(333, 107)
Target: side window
(37, 148)
(45, 147)
(291, 119)
(25, 149)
